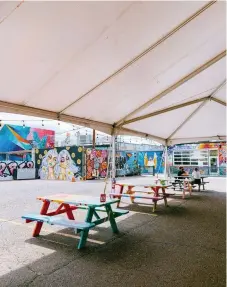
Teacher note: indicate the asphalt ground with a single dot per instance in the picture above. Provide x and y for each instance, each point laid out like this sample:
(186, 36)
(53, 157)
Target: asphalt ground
(181, 245)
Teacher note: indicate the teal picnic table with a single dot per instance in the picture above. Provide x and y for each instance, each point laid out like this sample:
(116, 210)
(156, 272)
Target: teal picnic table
(67, 204)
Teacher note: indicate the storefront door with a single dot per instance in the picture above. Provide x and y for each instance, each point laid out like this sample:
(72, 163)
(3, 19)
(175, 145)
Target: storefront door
(213, 165)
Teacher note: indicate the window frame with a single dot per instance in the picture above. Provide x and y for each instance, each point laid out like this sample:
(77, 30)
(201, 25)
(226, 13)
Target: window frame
(189, 158)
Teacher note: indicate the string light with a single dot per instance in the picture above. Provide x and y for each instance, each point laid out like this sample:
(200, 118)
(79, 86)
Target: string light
(42, 124)
(58, 123)
(23, 124)
(73, 127)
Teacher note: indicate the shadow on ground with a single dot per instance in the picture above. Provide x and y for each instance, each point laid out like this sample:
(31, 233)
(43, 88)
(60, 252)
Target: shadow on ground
(182, 245)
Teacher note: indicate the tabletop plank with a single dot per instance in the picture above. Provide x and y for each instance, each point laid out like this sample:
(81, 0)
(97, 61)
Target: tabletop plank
(77, 199)
(142, 184)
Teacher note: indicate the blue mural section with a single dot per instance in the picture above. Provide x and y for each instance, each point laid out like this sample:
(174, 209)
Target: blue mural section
(148, 159)
(19, 138)
(134, 163)
(127, 163)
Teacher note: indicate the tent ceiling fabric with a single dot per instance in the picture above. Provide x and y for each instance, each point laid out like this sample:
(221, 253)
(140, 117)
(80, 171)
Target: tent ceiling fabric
(102, 64)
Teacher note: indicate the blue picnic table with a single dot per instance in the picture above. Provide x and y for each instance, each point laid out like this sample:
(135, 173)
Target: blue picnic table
(67, 204)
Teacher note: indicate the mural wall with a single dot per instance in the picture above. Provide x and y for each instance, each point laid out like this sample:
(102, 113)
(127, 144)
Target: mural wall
(96, 163)
(7, 168)
(127, 163)
(204, 170)
(17, 138)
(62, 163)
(120, 161)
(148, 159)
(221, 147)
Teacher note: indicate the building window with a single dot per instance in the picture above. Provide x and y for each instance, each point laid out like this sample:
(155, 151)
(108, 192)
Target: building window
(193, 157)
(213, 152)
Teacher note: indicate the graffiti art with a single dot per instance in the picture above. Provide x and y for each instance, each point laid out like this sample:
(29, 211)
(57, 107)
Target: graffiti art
(7, 167)
(147, 159)
(126, 163)
(62, 163)
(16, 138)
(96, 163)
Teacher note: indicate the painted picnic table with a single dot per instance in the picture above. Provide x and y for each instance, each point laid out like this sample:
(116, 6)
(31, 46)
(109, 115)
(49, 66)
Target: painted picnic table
(68, 203)
(154, 189)
(180, 179)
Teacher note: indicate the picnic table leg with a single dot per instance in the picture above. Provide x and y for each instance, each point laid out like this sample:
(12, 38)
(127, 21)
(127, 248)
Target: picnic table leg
(84, 233)
(164, 196)
(112, 218)
(121, 191)
(155, 205)
(155, 190)
(69, 212)
(39, 225)
(130, 191)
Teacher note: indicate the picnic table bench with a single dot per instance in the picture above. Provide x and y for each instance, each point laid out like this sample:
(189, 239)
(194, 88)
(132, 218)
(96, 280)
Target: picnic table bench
(68, 203)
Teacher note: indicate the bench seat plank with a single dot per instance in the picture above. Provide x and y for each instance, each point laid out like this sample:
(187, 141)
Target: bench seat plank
(36, 217)
(103, 209)
(137, 196)
(57, 220)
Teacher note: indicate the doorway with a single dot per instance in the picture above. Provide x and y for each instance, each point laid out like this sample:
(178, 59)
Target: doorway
(213, 162)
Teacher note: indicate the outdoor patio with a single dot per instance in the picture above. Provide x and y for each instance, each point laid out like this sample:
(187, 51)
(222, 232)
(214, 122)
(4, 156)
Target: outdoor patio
(182, 245)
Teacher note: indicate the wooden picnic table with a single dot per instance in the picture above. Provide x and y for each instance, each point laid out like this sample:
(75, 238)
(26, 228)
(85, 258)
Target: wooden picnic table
(182, 177)
(153, 189)
(68, 203)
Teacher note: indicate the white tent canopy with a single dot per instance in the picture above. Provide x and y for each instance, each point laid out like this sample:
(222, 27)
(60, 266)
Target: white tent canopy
(141, 68)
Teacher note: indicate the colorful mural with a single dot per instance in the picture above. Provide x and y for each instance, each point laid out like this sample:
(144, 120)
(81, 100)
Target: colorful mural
(62, 163)
(222, 160)
(17, 138)
(126, 163)
(120, 161)
(131, 165)
(206, 170)
(148, 159)
(96, 163)
(7, 168)
(197, 146)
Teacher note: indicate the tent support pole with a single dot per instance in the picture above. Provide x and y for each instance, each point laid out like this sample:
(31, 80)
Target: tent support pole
(93, 139)
(166, 157)
(166, 110)
(187, 119)
(113, 167)
(219, 101)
